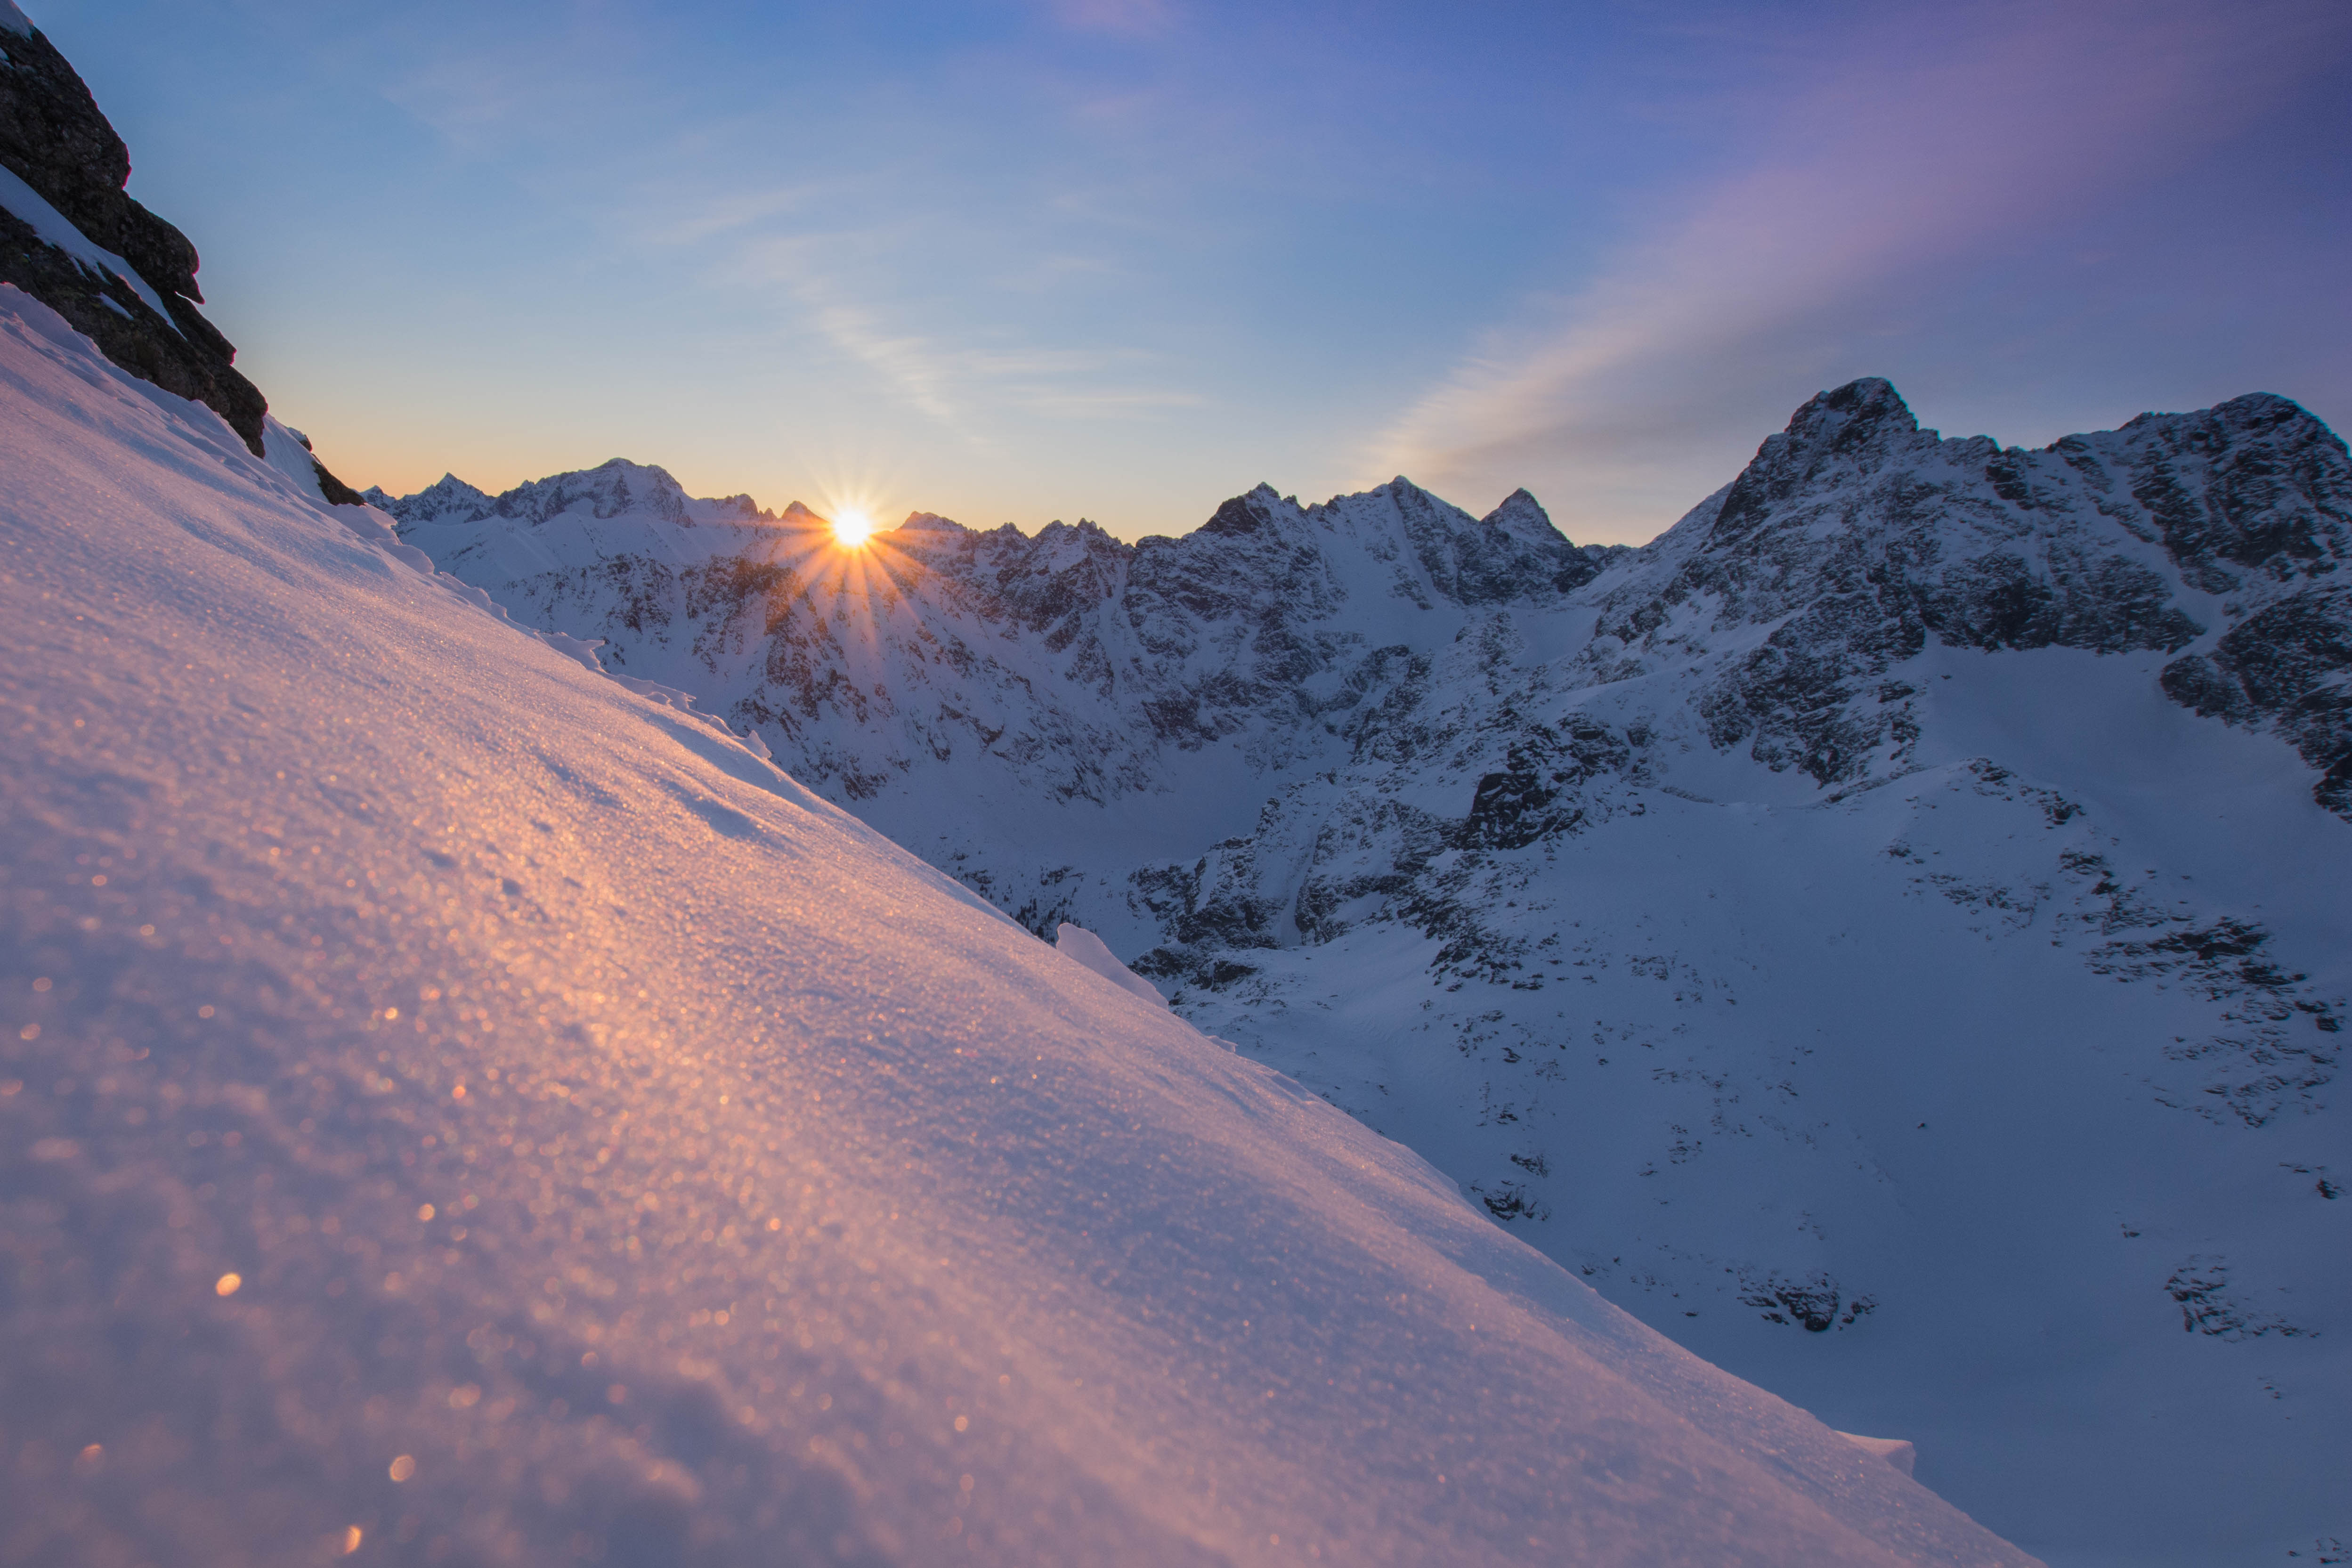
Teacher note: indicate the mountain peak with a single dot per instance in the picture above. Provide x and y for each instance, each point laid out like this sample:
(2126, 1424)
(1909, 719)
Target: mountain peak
(2266, 411)
(1244, 515)
(1521, 516)
(928, 523)
(1862, 421)
(607, 489)
(447, 499)
(1848, 415)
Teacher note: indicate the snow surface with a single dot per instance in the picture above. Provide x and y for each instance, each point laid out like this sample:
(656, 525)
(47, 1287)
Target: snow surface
(13, 21)
(55, 228)
(456, 1107)
(1087, 948)
(1897, 1452)
(286, 449)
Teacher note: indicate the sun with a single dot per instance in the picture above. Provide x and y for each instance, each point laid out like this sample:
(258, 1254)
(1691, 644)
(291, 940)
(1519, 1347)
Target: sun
(851, 526)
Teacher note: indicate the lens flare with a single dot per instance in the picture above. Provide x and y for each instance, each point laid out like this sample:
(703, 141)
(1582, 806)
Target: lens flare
(852, 527)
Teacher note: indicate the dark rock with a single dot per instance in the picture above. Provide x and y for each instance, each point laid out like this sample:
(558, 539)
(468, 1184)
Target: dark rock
(1536, 794)
(337, 492)
(1814, 1303)
(53, 137)
(2284, 665)
(1236, 519)
(2256, 483)
(2200, 1287)
(1852, 425)
(1856, 536)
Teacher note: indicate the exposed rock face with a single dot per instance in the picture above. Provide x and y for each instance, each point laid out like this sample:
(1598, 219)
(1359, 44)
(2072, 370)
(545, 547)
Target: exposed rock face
(1708, 911)
(53, 137)
(2254, 504)
(1851, 541)
(2285, 665)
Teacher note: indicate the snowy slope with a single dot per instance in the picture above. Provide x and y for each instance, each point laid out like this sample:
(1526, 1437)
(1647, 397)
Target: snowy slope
(1888, 933)
(456, 1109)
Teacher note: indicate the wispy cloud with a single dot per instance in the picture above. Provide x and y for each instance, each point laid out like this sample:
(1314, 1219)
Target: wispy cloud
(843, 286)
(1935, 134)
(952, 383)
(911, 364)
(729, 212)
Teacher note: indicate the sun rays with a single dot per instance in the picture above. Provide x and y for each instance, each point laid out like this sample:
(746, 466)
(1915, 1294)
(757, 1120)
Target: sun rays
(845, 563)
(852, 527)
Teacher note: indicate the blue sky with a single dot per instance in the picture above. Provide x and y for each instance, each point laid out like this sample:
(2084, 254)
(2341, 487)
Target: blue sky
(1121, 258)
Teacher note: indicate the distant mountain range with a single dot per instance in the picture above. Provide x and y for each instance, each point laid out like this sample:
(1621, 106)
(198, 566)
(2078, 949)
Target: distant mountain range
(1889, 933)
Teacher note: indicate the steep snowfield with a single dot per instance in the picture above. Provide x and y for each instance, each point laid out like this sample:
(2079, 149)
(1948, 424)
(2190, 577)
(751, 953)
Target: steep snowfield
(455, 1107)
(1889, 934)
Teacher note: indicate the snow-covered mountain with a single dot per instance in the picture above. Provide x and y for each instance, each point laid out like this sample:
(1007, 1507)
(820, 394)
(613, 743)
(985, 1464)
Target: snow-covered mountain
(1889, 933)
(456, 1107)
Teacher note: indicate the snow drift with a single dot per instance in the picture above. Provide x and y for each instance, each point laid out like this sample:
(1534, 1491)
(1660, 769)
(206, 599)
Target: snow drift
(458, 1110)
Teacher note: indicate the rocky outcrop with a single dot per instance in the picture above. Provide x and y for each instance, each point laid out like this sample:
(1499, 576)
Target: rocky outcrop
(1855, 539)
(2287, 666)
(54, 138)
(2253, 500)
(1852, 540)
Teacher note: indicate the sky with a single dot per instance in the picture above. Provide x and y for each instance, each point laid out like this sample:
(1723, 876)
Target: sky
(1123, 258)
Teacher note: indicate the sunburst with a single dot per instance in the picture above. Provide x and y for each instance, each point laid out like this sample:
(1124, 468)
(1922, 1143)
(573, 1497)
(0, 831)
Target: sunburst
(852, 527)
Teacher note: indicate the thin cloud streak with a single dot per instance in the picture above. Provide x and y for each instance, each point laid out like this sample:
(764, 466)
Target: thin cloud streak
(1898, 158)
(948, 383)
(909, 364)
